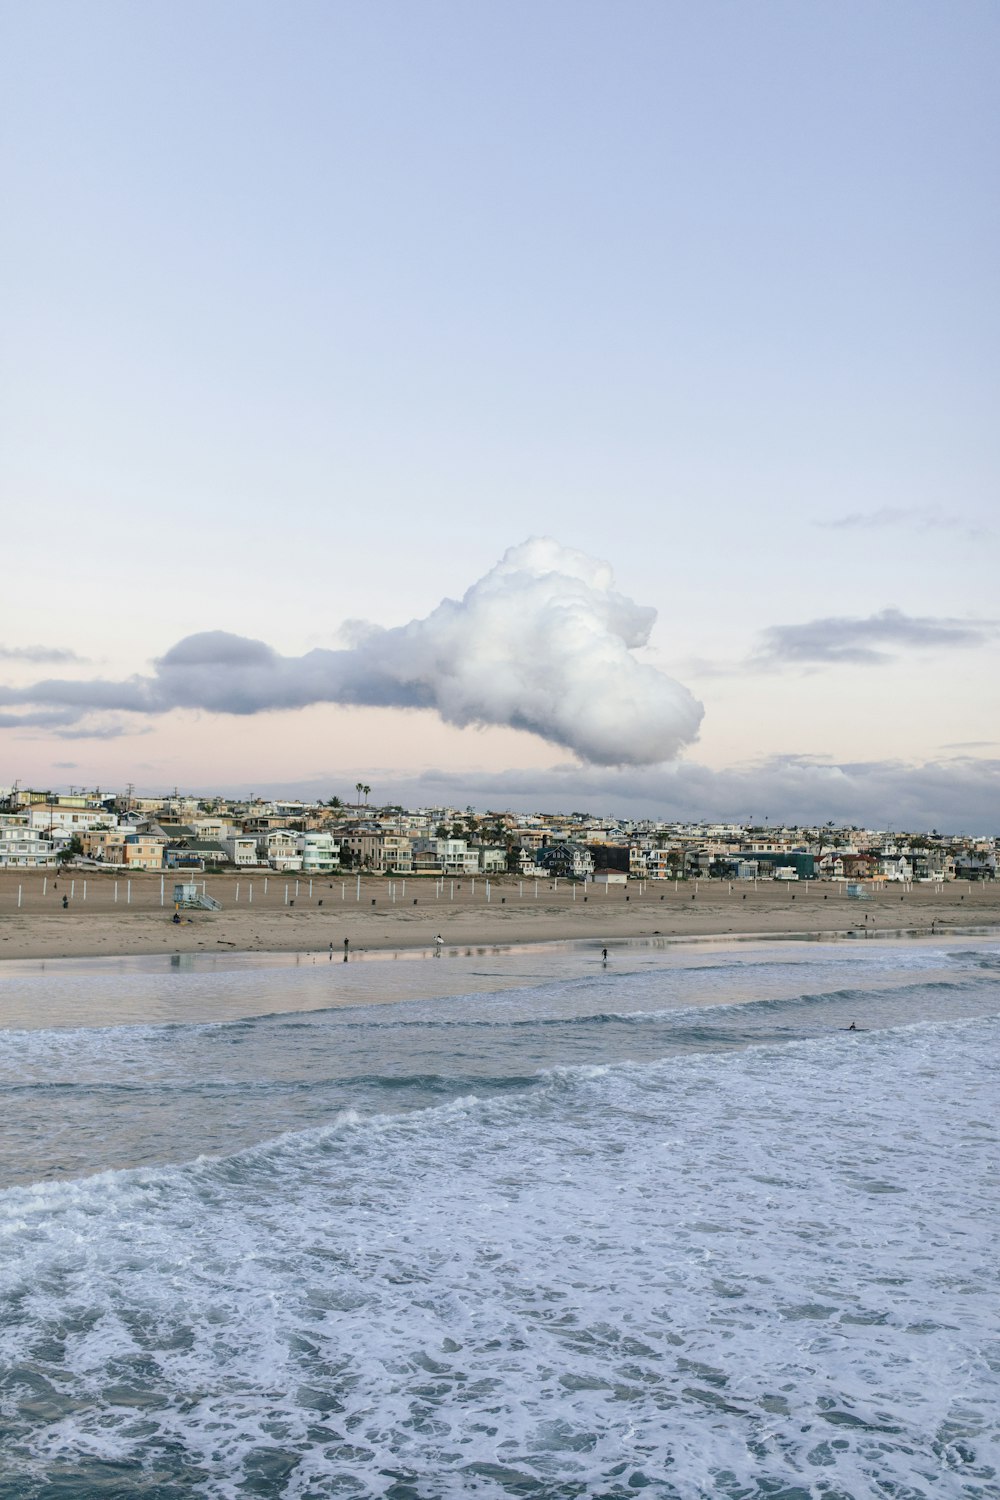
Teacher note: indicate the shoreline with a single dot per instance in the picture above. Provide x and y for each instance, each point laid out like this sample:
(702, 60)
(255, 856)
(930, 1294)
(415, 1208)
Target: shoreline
(290, 957)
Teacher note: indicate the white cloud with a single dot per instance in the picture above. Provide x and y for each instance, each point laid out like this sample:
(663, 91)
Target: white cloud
(542, 643)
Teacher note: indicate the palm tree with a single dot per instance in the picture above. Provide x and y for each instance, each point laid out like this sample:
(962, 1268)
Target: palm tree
(359, 787)
(366, 790)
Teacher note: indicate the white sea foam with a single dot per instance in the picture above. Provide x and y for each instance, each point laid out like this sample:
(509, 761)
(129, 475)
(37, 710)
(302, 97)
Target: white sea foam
(760, 1272)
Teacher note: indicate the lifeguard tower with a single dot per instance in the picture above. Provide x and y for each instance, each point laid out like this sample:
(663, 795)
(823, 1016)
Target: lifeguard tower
(189, 896)
(856, 891)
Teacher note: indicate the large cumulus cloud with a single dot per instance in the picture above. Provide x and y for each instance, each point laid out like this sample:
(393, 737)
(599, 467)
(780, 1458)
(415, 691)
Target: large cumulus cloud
(542, 643)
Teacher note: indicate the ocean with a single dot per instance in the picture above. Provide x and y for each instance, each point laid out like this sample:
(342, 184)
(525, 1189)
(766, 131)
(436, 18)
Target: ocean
(542, 1227)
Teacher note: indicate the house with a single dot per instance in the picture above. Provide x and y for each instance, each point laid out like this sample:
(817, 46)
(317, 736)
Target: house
(382, 853)
(573, 861)
(524, 863)
(318, 851)
(448, 856)
(664, 864)
(492, 859)
(972, 867)
(201, 851)
(277, 847)
(24, 847)
(107, 845)
(241, 848)
(142, 852)
(54, 820)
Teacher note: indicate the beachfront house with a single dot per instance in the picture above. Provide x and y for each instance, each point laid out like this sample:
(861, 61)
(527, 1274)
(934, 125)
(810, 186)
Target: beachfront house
(448, 856)
(277, 847)
(895, 867)
(663, 864)
(492, 859)
(241, 848)
(23, 847)
(574, 861)
(369, 848)
(318, 851)
(140, 851)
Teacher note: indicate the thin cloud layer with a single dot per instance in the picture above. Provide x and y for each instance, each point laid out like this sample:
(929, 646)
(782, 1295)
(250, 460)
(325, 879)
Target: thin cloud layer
(542, 643)
(955, 795)
(863, 641)
(912, 518)
(38, 654)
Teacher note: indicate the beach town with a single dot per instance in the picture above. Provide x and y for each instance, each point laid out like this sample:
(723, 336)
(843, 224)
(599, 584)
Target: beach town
(93, 873)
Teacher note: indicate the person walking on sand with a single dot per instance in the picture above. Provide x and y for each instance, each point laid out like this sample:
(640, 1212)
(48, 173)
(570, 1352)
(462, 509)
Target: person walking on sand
(438, 945)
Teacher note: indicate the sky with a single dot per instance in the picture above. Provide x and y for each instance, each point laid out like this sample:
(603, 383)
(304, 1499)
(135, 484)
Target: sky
(577, 405)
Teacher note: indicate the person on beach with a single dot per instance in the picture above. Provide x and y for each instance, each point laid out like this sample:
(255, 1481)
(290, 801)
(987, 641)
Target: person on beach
(604, 954)
(438, 945)
(347, 944)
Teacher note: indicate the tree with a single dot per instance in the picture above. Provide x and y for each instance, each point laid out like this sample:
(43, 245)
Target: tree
(334, 802)
(359, 787)
(72, 849)
(366, 790)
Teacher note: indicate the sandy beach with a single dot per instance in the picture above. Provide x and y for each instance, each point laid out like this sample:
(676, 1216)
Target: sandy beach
(108, 915)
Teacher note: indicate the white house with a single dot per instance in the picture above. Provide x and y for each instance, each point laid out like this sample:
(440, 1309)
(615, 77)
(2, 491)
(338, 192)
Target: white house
(492, 859)
(51, 819)
(319, 852)
(241, 848)
(277, 848)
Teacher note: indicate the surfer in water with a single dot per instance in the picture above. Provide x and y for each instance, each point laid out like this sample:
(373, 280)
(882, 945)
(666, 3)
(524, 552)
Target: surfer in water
(604, 955)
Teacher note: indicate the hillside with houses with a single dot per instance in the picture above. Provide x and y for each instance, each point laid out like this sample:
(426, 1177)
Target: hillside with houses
(120, 831)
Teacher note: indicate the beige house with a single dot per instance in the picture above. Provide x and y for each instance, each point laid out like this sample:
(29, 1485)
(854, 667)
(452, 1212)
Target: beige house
(142, 852)
(382, 853)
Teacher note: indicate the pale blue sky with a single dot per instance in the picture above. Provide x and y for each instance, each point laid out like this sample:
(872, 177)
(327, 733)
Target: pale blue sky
(312, 311)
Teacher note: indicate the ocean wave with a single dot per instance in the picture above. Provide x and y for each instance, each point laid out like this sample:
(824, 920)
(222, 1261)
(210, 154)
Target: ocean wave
(748, 1274)
(503, 1099)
